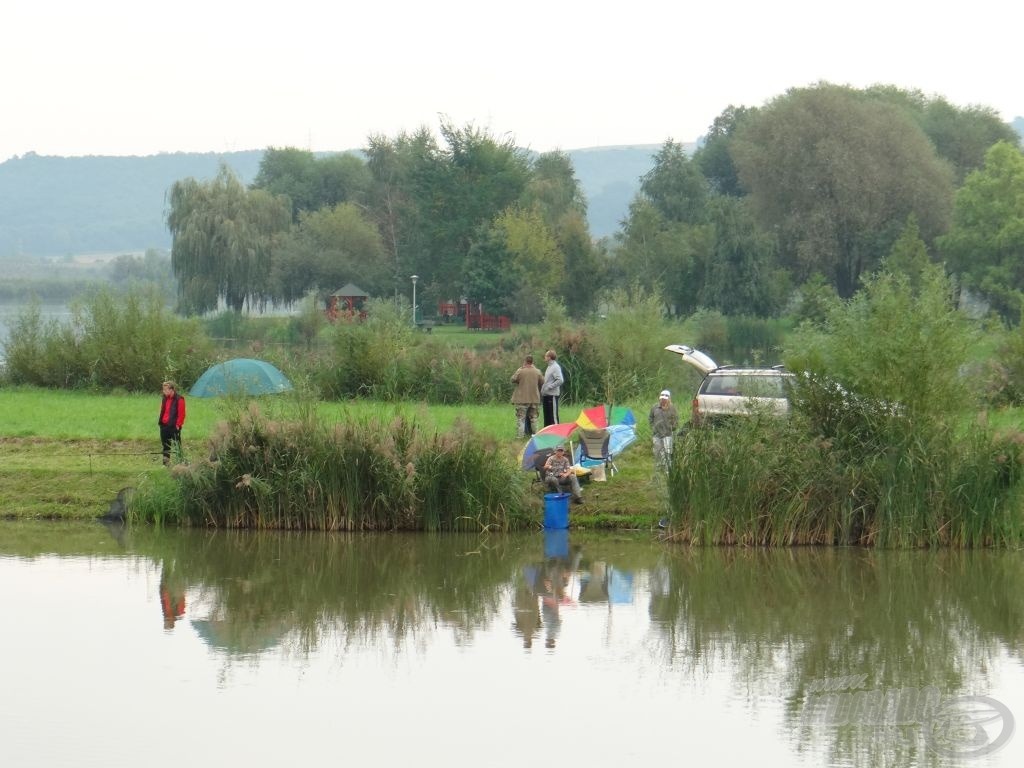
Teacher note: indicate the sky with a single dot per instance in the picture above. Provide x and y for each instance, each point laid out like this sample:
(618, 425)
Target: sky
(125, 77)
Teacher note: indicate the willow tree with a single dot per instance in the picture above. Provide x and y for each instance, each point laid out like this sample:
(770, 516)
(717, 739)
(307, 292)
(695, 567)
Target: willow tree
(222, 239)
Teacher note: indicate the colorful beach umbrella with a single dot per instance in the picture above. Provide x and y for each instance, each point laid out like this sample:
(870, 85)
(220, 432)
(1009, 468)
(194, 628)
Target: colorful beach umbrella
(550, 437)
(601, 416)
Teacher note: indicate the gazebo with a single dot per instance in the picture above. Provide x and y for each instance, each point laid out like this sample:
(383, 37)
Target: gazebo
(348, 300)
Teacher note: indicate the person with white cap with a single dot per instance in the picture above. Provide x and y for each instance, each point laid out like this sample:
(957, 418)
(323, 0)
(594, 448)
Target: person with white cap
(664, 420)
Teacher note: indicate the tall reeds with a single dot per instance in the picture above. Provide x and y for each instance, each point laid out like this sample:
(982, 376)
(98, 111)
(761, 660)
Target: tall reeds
(876, 450)
(772, 482)
(361, 474)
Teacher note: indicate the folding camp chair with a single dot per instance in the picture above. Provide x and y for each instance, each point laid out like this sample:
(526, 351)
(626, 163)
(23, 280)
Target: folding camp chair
(594, 449)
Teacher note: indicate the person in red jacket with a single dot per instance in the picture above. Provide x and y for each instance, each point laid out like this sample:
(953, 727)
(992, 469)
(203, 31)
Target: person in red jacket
(172, 416)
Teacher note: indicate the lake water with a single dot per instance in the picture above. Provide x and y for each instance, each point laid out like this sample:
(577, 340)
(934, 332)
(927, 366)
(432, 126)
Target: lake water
(170, 648)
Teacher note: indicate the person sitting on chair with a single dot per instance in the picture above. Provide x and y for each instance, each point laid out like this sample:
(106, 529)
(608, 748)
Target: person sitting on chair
(558, 473)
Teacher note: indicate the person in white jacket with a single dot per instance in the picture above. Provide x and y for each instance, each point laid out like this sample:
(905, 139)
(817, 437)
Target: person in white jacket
(551, 389)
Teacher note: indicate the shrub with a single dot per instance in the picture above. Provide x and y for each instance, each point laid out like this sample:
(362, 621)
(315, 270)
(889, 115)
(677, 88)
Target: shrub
(294, 472)
(874, 451)
(124, 340)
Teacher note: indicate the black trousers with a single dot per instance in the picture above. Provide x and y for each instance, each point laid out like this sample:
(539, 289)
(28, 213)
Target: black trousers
(550, 403)
(168, 435)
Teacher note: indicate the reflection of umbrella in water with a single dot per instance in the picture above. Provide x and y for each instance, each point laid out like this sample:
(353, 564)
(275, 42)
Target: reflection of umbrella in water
(241, 376)
(549, 437)
(240, 636)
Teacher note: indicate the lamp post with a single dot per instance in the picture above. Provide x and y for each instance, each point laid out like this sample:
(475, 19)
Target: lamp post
(414, 279)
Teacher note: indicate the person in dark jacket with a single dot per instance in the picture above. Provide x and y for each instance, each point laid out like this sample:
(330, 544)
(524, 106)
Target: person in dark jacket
(172, 417)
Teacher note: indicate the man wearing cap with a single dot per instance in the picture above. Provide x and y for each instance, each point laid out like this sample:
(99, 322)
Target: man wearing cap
(558, 472)
(664, 421)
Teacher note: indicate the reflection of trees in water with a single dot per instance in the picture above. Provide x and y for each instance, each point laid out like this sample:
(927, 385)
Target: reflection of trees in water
(257, 589)
(789, 621)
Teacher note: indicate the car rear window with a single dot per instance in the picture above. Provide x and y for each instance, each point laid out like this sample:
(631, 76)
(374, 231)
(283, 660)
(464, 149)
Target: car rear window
(750, 385)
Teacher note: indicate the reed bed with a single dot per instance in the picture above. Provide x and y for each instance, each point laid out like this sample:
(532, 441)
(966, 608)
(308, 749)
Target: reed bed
(774, 482)
(362, 473)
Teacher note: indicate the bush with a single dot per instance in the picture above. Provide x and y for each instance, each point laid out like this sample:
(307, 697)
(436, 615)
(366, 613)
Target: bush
(874, 451)
(294, 472)
(129, 341)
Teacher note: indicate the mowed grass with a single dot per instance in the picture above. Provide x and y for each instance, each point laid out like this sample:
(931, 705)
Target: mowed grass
(66, 454)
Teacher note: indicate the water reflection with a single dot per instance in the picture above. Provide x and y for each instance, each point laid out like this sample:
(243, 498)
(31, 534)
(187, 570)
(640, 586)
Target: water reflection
(700, 632)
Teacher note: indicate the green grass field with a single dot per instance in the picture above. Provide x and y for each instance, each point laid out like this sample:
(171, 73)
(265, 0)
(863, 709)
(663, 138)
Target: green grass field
(66, 454)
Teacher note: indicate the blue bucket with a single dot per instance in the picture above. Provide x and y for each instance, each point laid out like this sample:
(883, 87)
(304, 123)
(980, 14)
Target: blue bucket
(556, 510)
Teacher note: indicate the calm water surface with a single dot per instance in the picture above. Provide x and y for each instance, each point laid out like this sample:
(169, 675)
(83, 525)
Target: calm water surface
(207, 649)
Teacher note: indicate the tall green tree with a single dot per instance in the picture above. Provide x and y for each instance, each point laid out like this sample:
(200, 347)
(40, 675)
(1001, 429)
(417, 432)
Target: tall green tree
(836, 175)
(328, 248)
(741, 276)
(985, 244)
(675, 185)
(909, 255)
(432, 200)
(310, 182)
(290, 172)
(661, 257)
(491, 275)
(961, 135)
(401, 170)
(714, 157)
(478, 177)
(223, 235)
(553, 187)
(554, 191)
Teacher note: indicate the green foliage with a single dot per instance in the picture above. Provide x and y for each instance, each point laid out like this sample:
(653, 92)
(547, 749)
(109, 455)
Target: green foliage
(786, 485)
(491, 274)
(814, 300)
(624, 358)
(874, 451)
(986, 239)
(309, 182)
(131, 341)
(330, 247)
(836, 175)
(663, 256)
(741, 275)
(961, 135)
(1002, 374)
(223, 236)
(292, 471)
(917, 367)
(714, 157)
(367, 356)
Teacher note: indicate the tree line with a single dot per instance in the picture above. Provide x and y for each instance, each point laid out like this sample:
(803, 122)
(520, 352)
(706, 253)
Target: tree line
(781, 203)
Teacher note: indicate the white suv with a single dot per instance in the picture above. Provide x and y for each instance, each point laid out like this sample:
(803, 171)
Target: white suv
(728, 391)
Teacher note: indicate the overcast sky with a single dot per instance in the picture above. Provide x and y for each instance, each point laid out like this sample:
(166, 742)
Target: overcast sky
(130, 77)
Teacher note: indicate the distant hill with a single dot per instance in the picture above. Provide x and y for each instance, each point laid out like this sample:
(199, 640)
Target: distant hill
(610, 178)
(1018, 126)
(55, 206)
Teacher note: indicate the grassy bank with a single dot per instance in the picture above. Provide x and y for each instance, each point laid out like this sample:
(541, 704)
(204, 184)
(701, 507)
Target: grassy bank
(67, 454)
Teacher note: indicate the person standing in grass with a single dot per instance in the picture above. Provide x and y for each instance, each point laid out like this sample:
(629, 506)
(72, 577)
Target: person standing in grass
(172, 417)
(664, 420)
(552, 388)
(526, 397)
